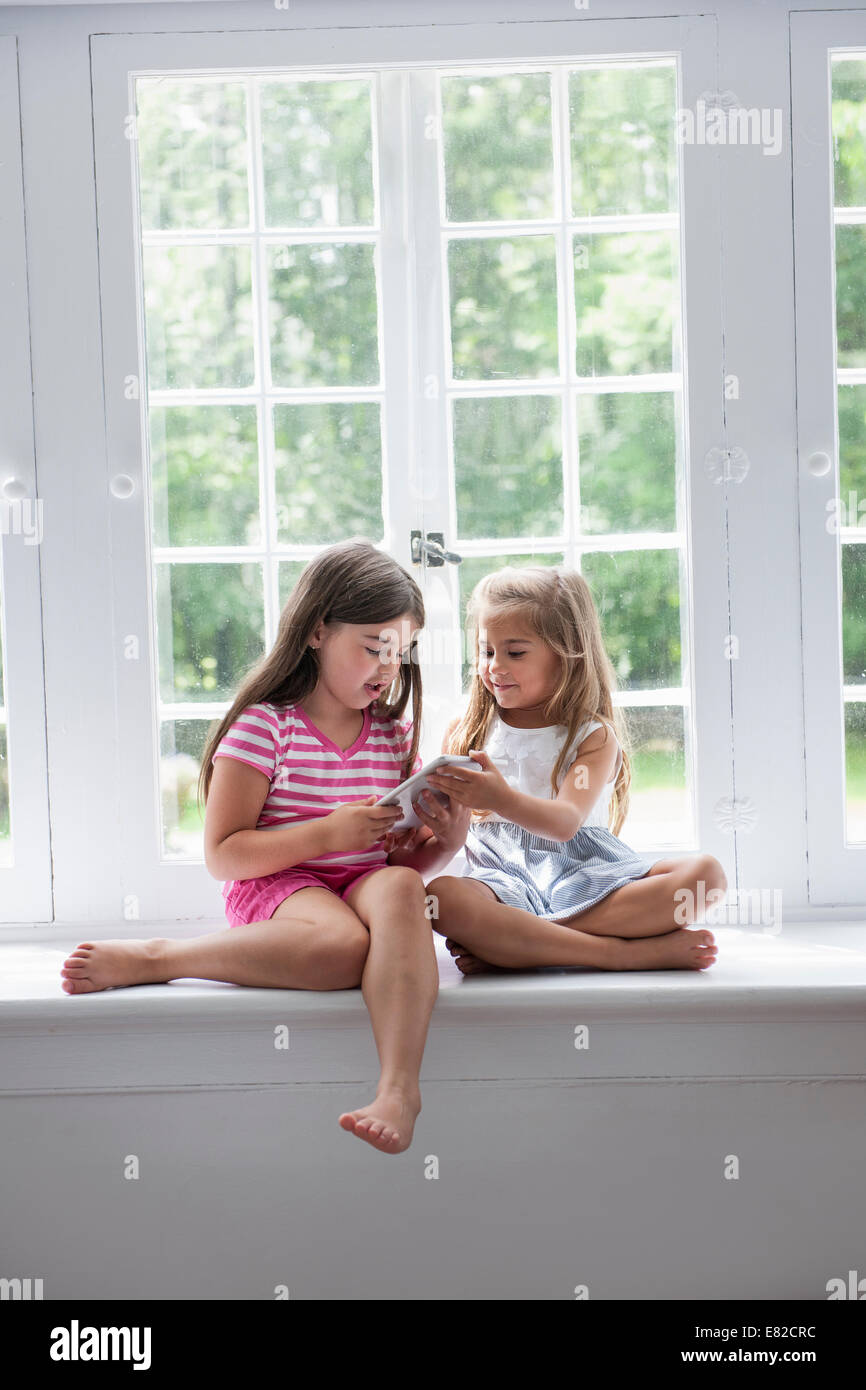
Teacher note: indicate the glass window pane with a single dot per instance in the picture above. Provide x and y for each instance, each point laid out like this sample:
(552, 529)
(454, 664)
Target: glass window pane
(852, 453)
(323, 315)
(849, 131)
(193, 156)
(205, 475)
(503, 307)
(855, 770)
(848, 118)
(625, 289)
(659, 808)
(627, 446)
(474, 568)
(210, 628)
(317, 153)
(623, 148)
(288, 573)
(854, 614)
(637, 594)
(498, 151)
(5, 824)
(328, 473)
(850, 296)
(181, 746)
(198, 314)
(508, 466)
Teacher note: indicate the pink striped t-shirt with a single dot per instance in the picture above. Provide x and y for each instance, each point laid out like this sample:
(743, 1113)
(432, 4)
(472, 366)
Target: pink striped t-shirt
(311, 776)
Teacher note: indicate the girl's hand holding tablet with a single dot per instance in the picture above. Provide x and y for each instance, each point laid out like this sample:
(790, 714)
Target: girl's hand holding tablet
(484, 790)
(402, 839)
(360, 824)
(448, 820)
(432, 808)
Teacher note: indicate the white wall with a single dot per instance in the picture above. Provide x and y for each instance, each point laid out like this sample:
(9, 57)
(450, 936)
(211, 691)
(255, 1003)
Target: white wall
(541, 1187)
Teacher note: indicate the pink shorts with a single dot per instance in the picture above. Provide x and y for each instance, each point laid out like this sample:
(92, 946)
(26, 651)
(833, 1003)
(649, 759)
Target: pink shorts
(255, 899)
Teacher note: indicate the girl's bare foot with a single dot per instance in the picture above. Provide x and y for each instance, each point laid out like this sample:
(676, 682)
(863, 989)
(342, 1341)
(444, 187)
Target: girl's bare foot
(388, 1123)
(687, 948)
(106, 964)
(469, 964)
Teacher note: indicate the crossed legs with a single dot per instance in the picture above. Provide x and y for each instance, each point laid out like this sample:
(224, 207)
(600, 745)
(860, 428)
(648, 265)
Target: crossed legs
(633, 928)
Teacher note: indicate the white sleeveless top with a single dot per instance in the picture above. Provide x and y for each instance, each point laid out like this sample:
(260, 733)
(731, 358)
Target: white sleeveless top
(526, 757)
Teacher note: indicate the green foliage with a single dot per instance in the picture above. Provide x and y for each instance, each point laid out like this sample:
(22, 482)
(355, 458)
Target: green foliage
(205, 475)
(624, 157)
(626, 290)
(508, 466)
(198, 316)
(210, 628)
(637, 593)
(498, 145)
(317, 153)
(323, 315)
(503, 307)
(854, 614)
(328, 473)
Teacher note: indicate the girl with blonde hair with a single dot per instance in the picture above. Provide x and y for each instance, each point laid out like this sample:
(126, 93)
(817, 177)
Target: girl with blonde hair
(548, 881)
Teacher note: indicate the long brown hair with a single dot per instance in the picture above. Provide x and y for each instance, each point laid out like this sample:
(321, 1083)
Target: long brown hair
(558, 605)
(351, 582)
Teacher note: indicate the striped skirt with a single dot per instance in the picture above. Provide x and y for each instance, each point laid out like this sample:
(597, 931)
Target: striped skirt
(550, 878)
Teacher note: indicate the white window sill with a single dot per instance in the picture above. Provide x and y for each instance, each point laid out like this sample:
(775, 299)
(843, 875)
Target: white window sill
(785, 1006)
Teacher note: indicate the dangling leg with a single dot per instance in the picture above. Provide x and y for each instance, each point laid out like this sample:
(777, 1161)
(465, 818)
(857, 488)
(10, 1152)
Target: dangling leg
(400, 984)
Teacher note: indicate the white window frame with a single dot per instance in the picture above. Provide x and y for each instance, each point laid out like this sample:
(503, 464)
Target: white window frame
(25, 885)
(836, 870)
(168, 891)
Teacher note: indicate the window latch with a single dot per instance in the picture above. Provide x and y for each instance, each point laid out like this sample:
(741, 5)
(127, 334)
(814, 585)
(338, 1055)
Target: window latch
(432, 549)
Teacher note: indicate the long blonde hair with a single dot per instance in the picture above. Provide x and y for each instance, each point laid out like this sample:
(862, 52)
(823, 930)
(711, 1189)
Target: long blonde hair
(351, 582)
(558, 605)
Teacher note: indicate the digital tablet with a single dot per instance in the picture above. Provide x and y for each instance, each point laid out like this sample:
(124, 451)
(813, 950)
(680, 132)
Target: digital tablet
(411, 789)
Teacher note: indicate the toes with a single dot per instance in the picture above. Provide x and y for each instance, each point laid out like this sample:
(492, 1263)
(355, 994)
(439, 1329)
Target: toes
(367, 1127)
(77, 986)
